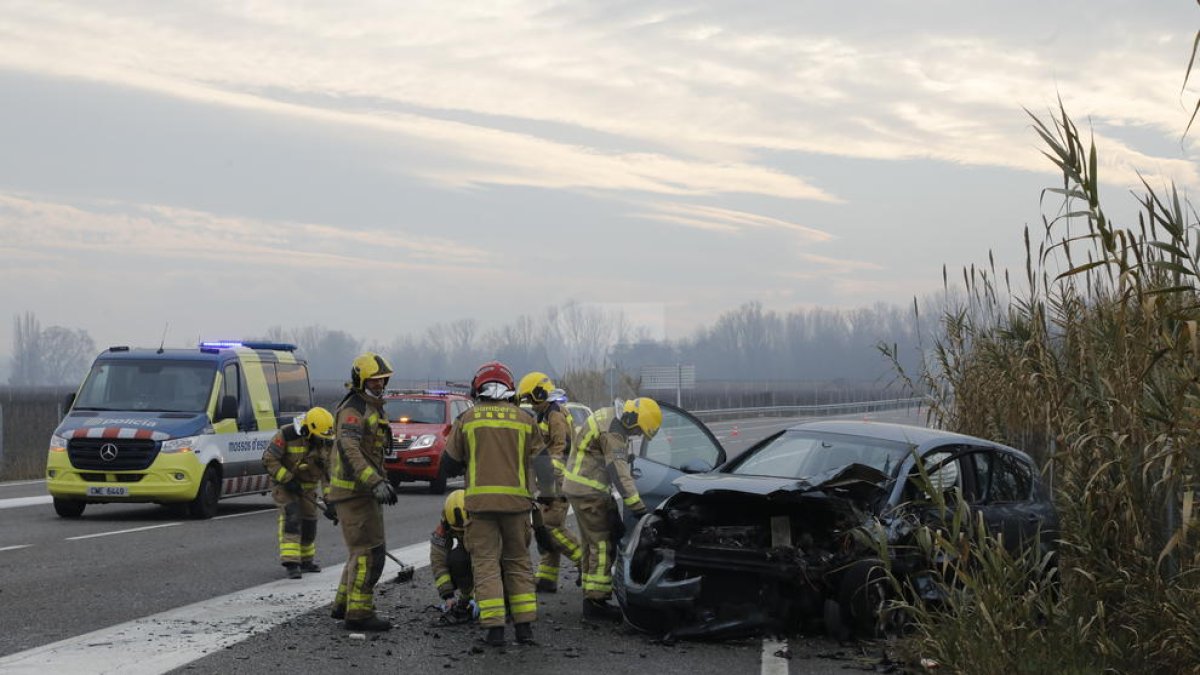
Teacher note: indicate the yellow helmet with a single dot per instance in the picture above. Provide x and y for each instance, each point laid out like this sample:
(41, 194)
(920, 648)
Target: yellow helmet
(316, 423)
(455, 510)
(368, 366)
(643, 413)
(535, 386)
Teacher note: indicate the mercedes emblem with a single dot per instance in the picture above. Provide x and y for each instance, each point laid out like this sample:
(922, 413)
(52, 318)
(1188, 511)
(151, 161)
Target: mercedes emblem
(108, 452)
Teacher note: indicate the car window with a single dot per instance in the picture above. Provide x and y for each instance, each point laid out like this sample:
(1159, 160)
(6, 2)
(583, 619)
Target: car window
(1012, 479)
(681, 441)
(945, 472)
(803, 453)
(294, 396)
(416, 410)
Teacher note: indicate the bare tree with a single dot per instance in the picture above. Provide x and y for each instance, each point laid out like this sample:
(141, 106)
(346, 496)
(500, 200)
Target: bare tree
(50, 356)
(26, 358)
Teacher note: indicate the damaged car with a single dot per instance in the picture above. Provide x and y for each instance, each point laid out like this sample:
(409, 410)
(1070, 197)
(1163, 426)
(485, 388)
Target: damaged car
(800, 528)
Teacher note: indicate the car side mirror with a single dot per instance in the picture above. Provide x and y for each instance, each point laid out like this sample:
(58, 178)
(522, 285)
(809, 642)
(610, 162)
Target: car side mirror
(228, 410)
(696, 466)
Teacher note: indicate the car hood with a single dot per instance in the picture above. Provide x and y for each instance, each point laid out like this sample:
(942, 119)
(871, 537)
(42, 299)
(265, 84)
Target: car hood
(156, 426)
(857, 479)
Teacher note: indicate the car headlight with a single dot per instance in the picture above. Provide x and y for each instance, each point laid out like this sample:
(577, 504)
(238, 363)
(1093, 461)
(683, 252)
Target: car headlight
(423, 441)
(185, 444)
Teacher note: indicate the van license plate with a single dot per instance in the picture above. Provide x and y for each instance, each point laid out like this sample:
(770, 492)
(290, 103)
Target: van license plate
(108, 491)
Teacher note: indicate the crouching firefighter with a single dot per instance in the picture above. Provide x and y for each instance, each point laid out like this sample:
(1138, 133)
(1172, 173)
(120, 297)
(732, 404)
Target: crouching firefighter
(358, 488)
(538, 390)
(599, 462)
(495, 441)
(295, 460)
(451, 563)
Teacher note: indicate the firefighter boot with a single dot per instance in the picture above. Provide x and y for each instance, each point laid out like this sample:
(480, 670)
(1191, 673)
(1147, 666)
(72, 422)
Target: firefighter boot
(293, 570)
(600, 610)
(338, 612)
(309, 567)
(495, 636)
(546, 586)
(524, 633)
(371, 623)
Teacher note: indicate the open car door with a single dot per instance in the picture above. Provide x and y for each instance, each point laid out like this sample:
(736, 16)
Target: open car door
(682, 445)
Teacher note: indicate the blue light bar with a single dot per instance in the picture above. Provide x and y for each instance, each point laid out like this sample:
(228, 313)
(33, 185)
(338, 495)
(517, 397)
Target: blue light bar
(233, 344)
(220, 344)
(437, 392)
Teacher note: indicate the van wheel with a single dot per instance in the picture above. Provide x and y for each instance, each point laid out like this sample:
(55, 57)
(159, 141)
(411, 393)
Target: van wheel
(69, 508)
(204, 506)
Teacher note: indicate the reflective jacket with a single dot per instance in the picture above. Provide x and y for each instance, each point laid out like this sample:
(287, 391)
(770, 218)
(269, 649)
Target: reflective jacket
(556, 431)
(599, 461)
(496, 442)
(289, 456)
(356, 460)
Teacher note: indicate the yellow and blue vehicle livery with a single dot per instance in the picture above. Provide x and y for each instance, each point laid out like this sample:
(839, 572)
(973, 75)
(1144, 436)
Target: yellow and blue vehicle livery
(181, 427)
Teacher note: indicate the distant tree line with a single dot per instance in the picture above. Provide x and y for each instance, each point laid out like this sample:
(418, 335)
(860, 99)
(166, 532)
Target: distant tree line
(746, 344)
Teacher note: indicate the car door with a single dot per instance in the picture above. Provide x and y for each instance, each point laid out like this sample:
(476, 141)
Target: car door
(1008, 499)
(682, 445)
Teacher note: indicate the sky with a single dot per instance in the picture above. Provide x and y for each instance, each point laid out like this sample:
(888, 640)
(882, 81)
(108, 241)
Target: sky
(214, 168)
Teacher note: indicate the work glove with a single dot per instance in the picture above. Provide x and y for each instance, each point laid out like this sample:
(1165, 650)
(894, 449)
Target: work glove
(545, 543)
(293, 486)
(330, 512)
(385, 493)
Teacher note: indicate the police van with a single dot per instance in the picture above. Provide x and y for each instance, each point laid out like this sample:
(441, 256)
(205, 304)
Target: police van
(180, 427)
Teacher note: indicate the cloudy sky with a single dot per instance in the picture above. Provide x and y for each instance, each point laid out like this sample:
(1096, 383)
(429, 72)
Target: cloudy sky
(381, 165)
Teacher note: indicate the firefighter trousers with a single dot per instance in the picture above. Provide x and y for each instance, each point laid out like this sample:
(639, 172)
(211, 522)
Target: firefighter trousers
(297, 524)
(554, 517)
(593, 515)
(362, 529)
(499, 547)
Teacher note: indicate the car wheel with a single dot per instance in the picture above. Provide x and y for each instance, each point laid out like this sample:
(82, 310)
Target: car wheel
(863, 596)
(204, 506)
(69, 508)
(437, 486)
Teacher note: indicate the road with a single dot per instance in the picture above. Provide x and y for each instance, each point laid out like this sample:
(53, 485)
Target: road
(131, 588)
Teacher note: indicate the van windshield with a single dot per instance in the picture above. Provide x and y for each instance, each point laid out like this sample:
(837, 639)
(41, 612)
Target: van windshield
(147, 386)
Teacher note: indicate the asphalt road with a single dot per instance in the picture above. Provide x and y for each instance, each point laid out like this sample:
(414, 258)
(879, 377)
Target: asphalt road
(60, 579)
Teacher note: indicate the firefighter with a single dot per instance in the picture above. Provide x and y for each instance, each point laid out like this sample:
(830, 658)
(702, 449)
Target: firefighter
(358, 488)
(598, 462)
(494, 445)
(295, 460)
(538, 390)
(450, 562)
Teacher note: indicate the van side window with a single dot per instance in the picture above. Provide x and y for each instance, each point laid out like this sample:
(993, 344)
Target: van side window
(231, 386)
(294, 394)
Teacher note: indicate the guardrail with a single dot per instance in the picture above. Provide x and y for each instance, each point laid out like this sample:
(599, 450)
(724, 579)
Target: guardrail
(824, 410)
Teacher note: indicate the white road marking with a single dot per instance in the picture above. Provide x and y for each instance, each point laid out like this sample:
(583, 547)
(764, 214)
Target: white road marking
(13, 548)
(248, 513)
(16, 502)
(133, 529)
(772, 664)
(165, 641)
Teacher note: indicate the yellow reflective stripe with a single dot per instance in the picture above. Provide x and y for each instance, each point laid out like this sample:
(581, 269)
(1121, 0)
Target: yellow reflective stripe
(491, 613)
(308, 486)
(491, 602)
(492, 607)
(522, 430)
(597, 485)
(630, 501)
(522, 597)
(256, 383)
(308, 550)
(338, 482)
(281, 474)
(602, 558)
(547, 572)
(571, 548)
(365, 476)
(297, 450)
(358, 599)
(578, 453)
(523, 603)
(441, 580)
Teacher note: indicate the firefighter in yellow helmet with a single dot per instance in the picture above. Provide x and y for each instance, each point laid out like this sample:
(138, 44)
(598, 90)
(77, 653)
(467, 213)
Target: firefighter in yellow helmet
(358, 488)
(450, 561)
(494, 445)
(599, 462)
(295, 459)
(537, 389)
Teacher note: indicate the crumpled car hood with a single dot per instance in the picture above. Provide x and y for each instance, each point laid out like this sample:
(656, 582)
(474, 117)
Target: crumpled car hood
(852, 477)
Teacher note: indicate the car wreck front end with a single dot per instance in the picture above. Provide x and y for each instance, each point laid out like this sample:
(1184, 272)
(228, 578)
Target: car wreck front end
(733, 555)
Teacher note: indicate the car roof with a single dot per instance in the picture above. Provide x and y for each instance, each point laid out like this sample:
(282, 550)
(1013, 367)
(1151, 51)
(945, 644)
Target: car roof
(901, 433)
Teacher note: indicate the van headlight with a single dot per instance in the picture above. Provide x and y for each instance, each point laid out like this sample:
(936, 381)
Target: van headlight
(58, 444)
(423, 441)
(185, 444)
